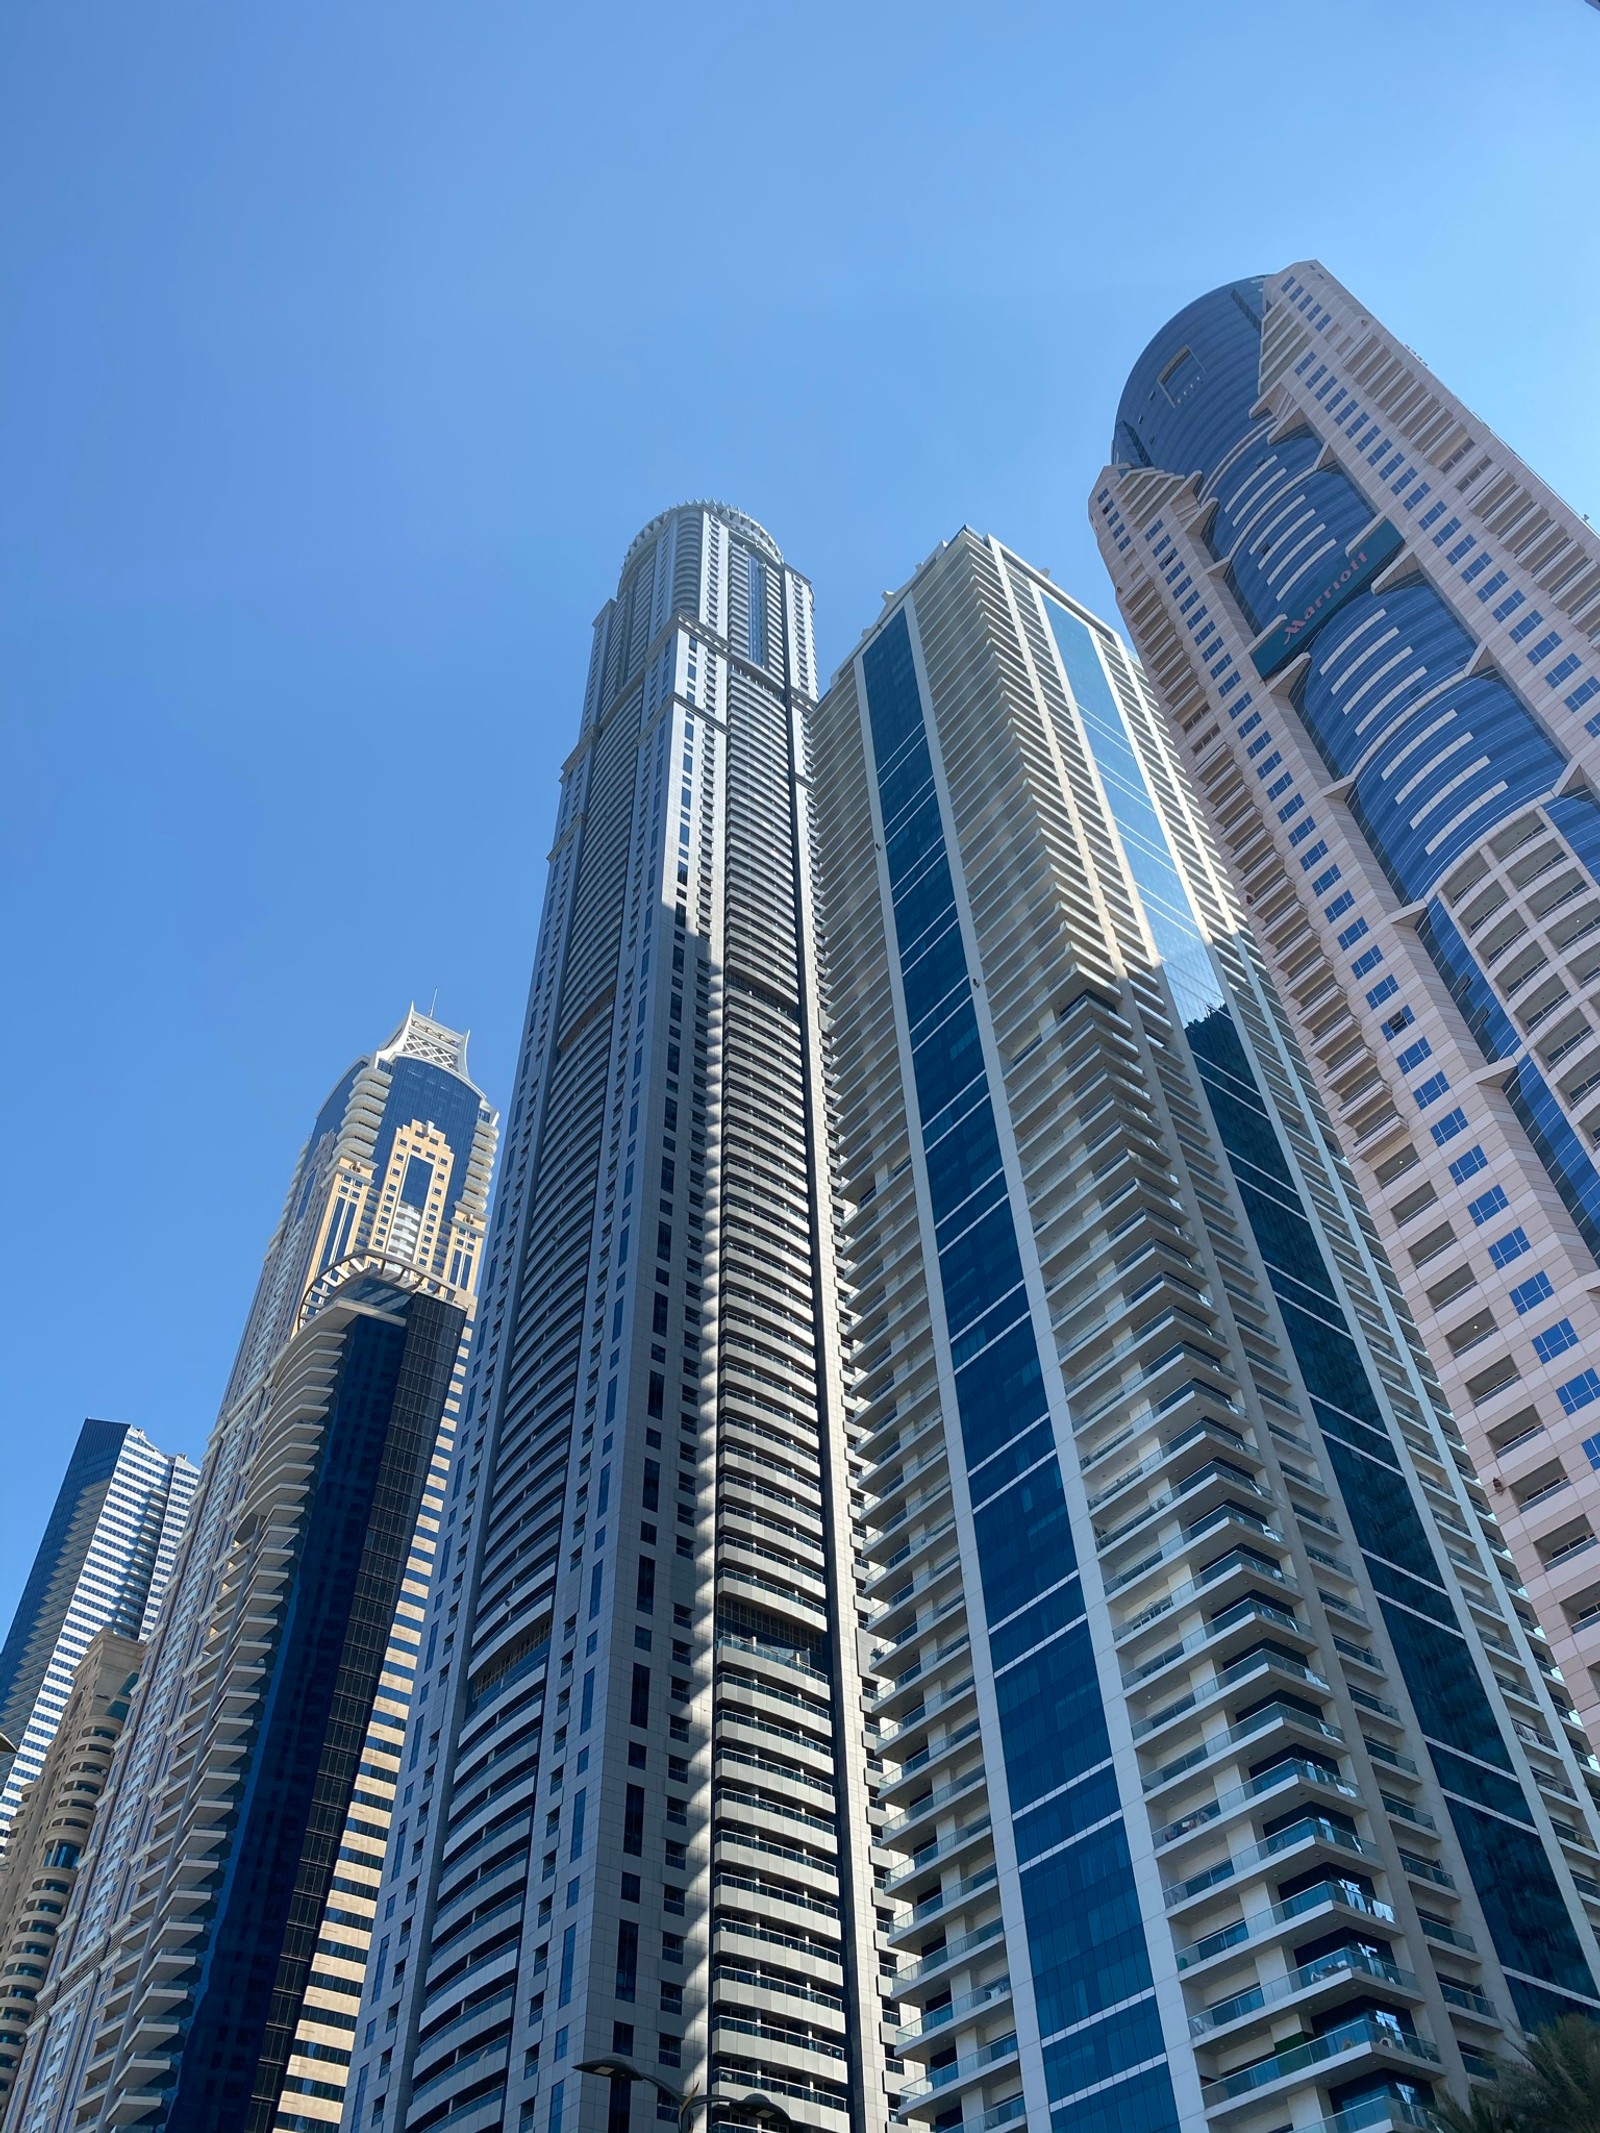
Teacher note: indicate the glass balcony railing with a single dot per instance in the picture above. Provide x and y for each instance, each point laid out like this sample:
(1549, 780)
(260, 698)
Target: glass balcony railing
(1369, 2033)
(1343, 1962)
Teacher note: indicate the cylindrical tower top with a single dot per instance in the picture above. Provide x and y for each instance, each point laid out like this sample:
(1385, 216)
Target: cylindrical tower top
(747, 528)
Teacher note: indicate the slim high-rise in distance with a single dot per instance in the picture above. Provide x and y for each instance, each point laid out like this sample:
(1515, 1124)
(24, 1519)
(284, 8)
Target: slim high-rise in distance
(210, 1967)
(1222, 1783)
(51, 1829)
(638, 1844)
(103, 1563)
(1375, 632)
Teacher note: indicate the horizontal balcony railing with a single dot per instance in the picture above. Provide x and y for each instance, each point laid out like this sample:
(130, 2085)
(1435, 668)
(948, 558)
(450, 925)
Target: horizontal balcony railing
(1261, 1923)
(1246, 1729)
(1311, 1828)
(1162, 1456)
(1243, 1560)
(966, 2069)
(1366, 2034)
(1344, 1962)
(1191, 1537)
(953, 1952)
(946, 1848)
(932, 1804)
(1221, 1684)
(1251, 1610)
(1239, 1795)
(939, 2018)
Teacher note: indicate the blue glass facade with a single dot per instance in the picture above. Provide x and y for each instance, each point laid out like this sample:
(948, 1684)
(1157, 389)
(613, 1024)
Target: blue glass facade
(1535, 1939)
(1090, 1959)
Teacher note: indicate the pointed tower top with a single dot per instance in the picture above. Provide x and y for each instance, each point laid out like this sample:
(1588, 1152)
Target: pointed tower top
(421, 1037)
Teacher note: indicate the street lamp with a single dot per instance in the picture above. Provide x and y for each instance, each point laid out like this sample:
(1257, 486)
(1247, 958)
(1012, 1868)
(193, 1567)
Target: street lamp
(763, 2111)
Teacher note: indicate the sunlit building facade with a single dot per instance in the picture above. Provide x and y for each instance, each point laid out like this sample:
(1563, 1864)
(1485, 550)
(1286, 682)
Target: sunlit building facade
(210, 1965)
(103, 1563)
(1375, 632)
(1220, 1780)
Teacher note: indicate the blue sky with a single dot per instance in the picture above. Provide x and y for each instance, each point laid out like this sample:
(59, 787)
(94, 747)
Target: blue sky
(347, 346)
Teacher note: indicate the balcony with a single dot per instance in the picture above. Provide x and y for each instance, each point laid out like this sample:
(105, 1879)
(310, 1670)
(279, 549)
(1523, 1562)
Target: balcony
(1241, 1615)
(1247, 1728)
(1369, 2034)
(1241, 1795)
(1241, 1561)
(1220, 1684)
(960, 2071)
(1344, 1963)
(954, 1951)
(919, 1810)
(1312, 1829)
(934, 1854)
(937, 2018)
(1261, 1925)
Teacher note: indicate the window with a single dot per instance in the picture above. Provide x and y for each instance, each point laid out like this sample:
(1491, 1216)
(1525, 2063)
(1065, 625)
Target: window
(1487, 1204)
(1468, 1165)
(1555, 1340)
(1352, 934)
(1340, 905)
(1507, 606)
(1591, 1446)
(1429, 1091)
(1413, 1056)
(1386, 991)
(1364, 963)
(1509, 1247)
(1532, 1291)
(1449, 1126)
(1580, 1392)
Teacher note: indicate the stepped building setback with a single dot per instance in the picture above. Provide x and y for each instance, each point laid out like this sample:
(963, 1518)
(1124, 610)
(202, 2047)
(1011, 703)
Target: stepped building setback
(1376, 635)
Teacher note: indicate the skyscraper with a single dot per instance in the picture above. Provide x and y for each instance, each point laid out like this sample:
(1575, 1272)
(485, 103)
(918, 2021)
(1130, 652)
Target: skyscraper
(1221, 1778)
(103, 1563)
(1375, 632)
(210, 1967)
(639, 1843)
(51, 1829)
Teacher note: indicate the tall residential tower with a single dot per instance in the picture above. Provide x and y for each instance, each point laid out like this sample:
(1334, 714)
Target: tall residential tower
(1375, 632)
(210, 1967)
(103, 1563)
(1223, 1784)
(637, 1846)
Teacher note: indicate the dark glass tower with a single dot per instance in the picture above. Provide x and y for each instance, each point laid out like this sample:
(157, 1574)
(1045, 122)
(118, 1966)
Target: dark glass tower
(209, 1968)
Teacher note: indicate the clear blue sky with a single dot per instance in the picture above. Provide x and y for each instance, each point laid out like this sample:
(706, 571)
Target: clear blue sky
(346, 346)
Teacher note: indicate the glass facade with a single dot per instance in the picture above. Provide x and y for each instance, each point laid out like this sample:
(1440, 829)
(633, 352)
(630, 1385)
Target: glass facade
(1191, 1653)
(1374, 633)
(211, 1959)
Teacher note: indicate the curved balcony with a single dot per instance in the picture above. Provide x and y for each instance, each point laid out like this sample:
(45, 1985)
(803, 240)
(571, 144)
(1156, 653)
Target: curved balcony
(960, 2073)
(928, 1967)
